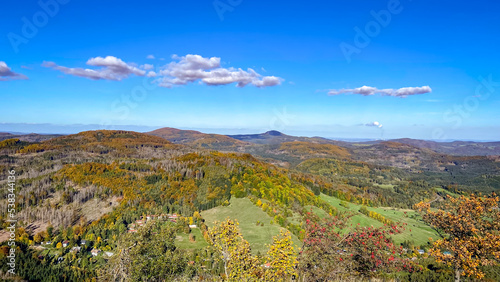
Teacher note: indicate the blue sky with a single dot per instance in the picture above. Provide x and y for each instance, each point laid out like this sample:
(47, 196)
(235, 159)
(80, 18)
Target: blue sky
(296, 52)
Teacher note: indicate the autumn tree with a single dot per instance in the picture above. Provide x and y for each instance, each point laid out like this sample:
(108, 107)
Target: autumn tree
(239, 264)
(334, 249)
(282, 258)
(472, 238)
(38, 238)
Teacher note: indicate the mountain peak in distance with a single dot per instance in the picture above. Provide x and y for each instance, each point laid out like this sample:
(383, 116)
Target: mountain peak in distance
(274, 133)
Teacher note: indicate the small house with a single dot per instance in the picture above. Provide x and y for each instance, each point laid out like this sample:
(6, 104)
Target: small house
(65, 243)
(173, 217)
(83, 242)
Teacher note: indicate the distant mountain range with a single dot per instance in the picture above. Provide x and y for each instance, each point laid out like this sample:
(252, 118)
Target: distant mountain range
(461, 161)
(459, 148)
(244, 142)
(276, 137)
(32, 137)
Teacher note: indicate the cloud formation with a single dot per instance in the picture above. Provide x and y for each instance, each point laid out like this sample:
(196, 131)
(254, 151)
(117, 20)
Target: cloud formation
(191, 68)
(7, 74)
(368, 91)
(183, 70)
(151, 57)
(374, 124)
(111, 68)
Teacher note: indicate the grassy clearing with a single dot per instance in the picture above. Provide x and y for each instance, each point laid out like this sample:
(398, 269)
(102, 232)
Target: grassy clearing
(385, 186)
(247, 214)
(416, 230)
(182, 240)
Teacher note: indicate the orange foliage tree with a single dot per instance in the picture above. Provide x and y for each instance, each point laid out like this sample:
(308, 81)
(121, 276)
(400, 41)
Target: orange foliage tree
(472, 226)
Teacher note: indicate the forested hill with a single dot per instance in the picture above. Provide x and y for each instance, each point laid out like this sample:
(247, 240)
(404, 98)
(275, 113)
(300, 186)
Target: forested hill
(100, 141)
(237, 142)
(276, 137)
(198, 139)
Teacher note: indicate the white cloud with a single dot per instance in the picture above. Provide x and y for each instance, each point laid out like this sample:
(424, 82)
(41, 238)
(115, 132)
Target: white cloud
(368, 91)
(191, 68)
(183, 70)
(147, 67)
(151, 57)
(374, 124)
(112, 68)
(7, 74)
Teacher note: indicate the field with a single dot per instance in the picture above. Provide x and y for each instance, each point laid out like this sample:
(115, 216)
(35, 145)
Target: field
(247, 214)
(416, 230)
(182, 240)
(385, 186)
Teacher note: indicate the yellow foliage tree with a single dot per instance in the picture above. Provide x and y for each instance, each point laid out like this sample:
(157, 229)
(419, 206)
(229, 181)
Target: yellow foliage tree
(196, 215)
(38, 238)
(239, 264)
(472, 226)
(282, 258)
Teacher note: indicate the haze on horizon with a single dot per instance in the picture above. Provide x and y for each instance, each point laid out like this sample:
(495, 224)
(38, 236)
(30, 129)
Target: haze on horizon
(341, 69)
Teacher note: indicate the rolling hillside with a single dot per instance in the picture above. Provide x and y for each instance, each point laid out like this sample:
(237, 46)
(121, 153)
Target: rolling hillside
(99, 141)
(197, 139)
(103, 186)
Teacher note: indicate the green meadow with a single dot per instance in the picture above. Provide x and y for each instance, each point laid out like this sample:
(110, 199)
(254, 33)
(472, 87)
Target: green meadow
(416, 230)
(247, 215)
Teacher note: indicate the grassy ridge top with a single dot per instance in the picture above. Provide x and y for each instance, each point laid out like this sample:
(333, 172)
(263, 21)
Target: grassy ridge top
(247, 215)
